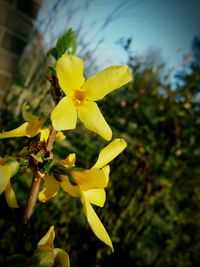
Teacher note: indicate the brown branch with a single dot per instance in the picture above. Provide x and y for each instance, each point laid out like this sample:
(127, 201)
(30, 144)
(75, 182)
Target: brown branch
(51, 139)
(32, 198)
(29, 210)
(39, 176)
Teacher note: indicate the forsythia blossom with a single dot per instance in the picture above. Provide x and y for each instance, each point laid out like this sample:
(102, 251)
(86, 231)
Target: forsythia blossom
(32, 127)
(47, 255)
(89, 186)
(81, 94)
(8, 169)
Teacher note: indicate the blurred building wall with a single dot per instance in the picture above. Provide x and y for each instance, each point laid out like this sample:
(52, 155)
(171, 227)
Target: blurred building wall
(16, 24)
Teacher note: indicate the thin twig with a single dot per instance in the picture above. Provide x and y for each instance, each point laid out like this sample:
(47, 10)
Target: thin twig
(29, 210)
(32, 198)
(51, 139)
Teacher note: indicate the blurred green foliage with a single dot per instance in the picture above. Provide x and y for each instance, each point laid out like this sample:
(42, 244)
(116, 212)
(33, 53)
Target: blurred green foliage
(152, 211)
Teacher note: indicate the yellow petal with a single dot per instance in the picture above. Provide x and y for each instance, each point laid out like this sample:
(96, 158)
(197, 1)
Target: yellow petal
(96, 196)
(89, 179)
(69, 71)
(28, 129)
(26, 115)
(93, 120)
(69, 162)
(51, 187)
(106, 170)
(48, 238)
(18, 132)
(110, 79)
(13, 165)
(95, 224)
(60, 136)
(44, 134)
(64, 115)
(73, 190)
(10, 196)
(34, 127)
(61, 257)
(5, 175)
(111, 151)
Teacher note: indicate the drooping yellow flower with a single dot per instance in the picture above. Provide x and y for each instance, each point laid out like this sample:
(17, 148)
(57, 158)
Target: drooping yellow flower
(81, 94)
(89, 186)
(32, 127)
(8, 169)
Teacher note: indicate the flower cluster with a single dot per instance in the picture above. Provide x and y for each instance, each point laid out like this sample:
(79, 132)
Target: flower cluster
(79, 102)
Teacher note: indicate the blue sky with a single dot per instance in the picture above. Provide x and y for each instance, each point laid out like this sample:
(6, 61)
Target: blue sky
(164, 24)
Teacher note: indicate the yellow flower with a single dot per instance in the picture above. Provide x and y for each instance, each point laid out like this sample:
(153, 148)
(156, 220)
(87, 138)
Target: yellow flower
(81, 95)
(47, 255)
(8, 169)
(89, 186)
(30, 128)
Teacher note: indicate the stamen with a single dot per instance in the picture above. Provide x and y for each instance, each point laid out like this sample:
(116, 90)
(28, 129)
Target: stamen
(78, 97)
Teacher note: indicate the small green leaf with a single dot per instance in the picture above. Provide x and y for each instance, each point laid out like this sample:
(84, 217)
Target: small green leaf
(66, 43)
(47, 167)
(73, 46)
(53, 52)
(23, 162)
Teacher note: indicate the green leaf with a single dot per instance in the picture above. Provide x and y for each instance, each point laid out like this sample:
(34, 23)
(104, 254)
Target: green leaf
(24, 162)
(73, 46)
(47, 167)
(66, 43)
(53, 52)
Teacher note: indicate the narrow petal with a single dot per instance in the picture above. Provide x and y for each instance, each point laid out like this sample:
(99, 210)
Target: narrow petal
(44, 134)
(10, 196)
(60, 136)
(64, 115)
(51, 188)
(93, 120)
(34, 127)
(5, 175)
(73, 190)
(89, 179)
(111, 151)
(18, 132)
(96, 196)
(110, 79)
(95, 224)
(48, 238)
(69, 161)
(13, 165)
(106, 170)
(69, 71)
(61, 257)
(26, 115)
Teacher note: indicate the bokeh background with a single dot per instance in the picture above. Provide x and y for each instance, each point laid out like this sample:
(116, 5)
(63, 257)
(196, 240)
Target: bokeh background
(152, 211)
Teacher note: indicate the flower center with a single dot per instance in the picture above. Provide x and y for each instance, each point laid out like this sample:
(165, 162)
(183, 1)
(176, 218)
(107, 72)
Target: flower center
(78, 97)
